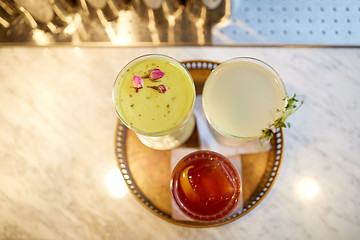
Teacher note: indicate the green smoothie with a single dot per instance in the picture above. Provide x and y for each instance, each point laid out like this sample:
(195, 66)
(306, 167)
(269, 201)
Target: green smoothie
(149, 109)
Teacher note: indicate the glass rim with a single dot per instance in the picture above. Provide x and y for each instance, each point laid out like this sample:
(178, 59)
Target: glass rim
(138, 60)
(249, 60)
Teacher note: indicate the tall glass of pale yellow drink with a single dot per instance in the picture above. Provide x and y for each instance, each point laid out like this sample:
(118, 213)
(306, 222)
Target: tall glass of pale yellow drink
(154, 96)
(241, 97)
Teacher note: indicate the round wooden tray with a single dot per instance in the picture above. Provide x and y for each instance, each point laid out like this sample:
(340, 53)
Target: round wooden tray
(147, 171)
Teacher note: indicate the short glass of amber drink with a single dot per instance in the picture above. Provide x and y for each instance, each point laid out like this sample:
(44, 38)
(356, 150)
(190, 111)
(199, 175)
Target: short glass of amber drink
(206, 186)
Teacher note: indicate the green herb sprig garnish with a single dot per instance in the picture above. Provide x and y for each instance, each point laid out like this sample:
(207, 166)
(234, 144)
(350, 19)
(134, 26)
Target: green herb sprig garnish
(291, 107)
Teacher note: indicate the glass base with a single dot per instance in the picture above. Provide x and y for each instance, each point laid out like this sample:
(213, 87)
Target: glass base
(231, 142)
(171, 140)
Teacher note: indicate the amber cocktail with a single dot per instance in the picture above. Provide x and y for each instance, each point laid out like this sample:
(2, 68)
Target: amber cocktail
(206, 186)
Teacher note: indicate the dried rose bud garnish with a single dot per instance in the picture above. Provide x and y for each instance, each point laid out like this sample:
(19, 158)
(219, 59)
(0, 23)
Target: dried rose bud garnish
(156, 74)
(137, 82)
(161, 88)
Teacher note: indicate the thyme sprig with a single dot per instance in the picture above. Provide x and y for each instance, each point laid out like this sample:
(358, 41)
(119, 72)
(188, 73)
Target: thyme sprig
(292, 106)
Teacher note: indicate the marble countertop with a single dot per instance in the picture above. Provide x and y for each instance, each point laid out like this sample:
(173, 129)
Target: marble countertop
(58, 173)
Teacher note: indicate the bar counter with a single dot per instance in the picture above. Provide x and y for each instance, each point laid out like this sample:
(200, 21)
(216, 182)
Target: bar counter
(59, 178)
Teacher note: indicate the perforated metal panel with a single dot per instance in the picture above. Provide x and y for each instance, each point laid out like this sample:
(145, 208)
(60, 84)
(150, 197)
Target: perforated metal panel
(314, 22)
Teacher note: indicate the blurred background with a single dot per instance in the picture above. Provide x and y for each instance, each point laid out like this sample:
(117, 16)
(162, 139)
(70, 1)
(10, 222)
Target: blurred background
(180, 22)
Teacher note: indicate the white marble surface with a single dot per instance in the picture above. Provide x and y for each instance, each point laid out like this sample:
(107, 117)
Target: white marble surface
(58, 173)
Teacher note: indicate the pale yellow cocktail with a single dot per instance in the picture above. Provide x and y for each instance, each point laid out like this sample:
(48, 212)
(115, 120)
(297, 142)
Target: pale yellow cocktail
(157, 109)
(243, 96)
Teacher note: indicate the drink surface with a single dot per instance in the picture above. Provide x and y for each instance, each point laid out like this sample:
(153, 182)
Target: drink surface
(241, 98)
(148, 110)
(206, 186)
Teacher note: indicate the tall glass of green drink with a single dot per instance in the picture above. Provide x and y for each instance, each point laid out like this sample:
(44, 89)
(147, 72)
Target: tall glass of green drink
(154, 96)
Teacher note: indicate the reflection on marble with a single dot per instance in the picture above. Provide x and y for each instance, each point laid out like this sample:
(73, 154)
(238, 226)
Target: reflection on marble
(307, 188)
(115, 183)
(58, 173)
